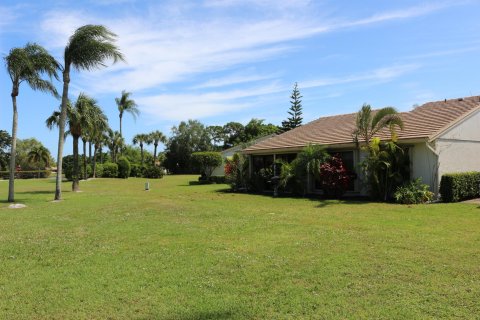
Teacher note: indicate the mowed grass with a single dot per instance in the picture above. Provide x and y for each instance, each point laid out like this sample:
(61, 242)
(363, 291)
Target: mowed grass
(115, 251)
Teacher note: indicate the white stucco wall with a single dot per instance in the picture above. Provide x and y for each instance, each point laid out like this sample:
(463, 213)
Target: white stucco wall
(459, 147)
(220, 171)
(423, 164)
(456, 150)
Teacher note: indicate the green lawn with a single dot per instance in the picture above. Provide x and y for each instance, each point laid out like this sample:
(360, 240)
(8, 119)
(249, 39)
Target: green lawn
(178, 251)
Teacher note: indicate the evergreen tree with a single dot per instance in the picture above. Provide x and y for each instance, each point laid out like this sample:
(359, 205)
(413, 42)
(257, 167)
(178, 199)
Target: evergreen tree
(295, 111)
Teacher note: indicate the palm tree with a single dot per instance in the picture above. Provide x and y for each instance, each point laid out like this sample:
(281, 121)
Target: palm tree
(98, 124)
(98, 139)
(156, 137)
(27, 64)
(88, 48)
(115, 143)
(125, 104)
(39, 154)
(140, 139)
(369, 123)
(95, 134)
(80, 118)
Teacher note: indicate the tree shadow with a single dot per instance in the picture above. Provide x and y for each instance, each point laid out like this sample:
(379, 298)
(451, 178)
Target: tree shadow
(200, 315)
(38, 192)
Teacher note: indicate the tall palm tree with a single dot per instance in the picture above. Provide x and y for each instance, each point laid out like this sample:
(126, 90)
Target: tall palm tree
(140, 139)
(125, 104)
(369, 123)
(157, 137)
(39, 154)
(88, 48)
(27, 64)
(115, 143)
(98, 138)
(80, 118)
(98, 120)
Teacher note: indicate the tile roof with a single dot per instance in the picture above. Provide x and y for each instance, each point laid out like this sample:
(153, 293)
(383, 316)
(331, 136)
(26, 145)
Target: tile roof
(423, 122)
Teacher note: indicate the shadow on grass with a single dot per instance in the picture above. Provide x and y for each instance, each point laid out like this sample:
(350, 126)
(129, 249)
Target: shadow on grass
(201, 315)
(38, 192)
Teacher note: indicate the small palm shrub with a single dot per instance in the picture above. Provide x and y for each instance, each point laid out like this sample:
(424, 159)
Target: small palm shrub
(123, 168)
(236, 172)
(110, 170)
(414, 192)
(153, 172)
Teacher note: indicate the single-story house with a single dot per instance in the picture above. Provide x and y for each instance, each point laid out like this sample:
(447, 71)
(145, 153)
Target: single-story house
(441, 137)
(228, 153)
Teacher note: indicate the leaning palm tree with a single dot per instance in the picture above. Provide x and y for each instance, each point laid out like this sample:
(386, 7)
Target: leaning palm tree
(80, 118)
(125, 104)
(39, 154)
(88, 48)
(369, 123)
(156, 137)
(27, 64)
(140, 139)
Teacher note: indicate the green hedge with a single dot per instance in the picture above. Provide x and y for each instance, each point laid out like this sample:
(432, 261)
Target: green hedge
(123, 168)
(26, 174)
(456, 187)
(110, 170)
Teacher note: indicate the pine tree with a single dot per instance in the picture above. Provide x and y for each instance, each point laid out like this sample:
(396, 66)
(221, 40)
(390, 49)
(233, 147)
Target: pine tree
(295, 111)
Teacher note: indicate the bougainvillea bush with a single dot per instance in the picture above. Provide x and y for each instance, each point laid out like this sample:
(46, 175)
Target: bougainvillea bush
(334, 177)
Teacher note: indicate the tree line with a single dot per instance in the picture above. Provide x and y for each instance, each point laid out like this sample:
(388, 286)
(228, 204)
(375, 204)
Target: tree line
(92, 47)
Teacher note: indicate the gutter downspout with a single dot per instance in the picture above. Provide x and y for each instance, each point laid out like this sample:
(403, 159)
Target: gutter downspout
(437, 154)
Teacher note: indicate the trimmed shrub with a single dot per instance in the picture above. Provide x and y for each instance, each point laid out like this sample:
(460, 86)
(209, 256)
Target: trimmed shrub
(27, 174)
(153, 172)
(110, 170)
(136, 170)
(123, 168)
(206, 162)
(68, 171)
(456, 187)
(99, 170)
(414, 192)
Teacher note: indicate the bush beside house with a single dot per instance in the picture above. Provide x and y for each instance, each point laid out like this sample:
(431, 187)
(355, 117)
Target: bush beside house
(456, 187)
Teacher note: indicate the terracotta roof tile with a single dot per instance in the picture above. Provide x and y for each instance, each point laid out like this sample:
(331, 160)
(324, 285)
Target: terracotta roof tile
(423, 122)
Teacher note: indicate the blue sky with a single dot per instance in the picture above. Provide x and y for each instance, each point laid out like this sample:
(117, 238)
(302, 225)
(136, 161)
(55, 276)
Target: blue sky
(231, 60)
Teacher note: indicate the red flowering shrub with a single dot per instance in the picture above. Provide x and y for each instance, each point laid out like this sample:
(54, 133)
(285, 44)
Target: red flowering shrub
(334, 177)
(229, 167)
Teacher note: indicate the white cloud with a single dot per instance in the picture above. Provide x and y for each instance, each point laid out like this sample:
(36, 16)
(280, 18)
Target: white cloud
(181, 106)
(381, 74)
(233, 79)
(191, 105)
(163, 50)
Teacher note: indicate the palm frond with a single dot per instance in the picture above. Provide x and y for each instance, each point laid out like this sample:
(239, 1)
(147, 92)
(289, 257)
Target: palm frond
(90, 46)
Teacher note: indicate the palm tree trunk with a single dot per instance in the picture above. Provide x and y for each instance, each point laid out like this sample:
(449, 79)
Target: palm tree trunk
(101, 154)
(94, 164)
(85, 176)
(155, 154)
(13, 150)
(61, 132)
(141, 151)
(120, 116)
(75, 174)
(90, 152)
